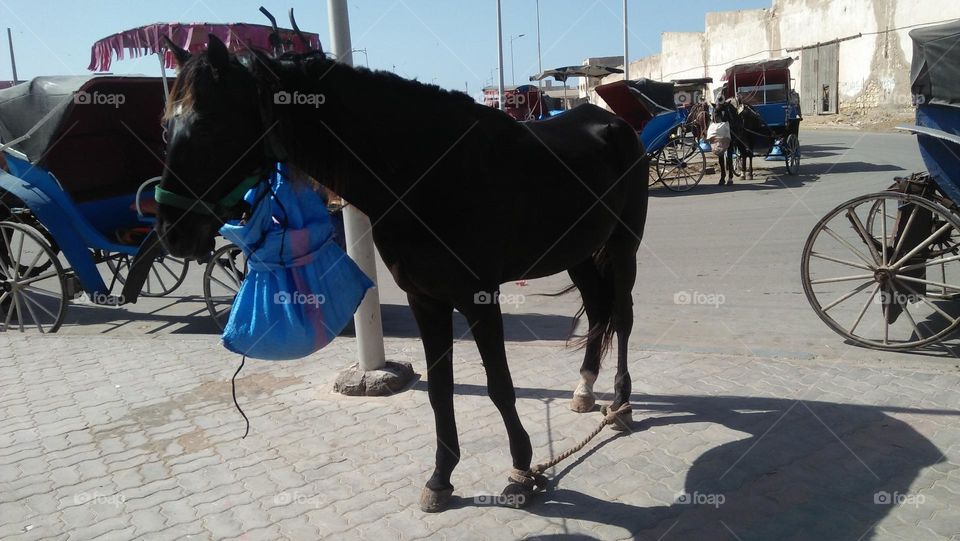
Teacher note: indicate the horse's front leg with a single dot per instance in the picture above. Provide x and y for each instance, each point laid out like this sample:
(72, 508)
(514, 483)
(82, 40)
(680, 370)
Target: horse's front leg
(434, 318)
(721, 158)
(486, 324)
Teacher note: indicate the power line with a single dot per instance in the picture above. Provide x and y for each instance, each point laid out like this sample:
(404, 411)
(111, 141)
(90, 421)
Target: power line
(785, 49)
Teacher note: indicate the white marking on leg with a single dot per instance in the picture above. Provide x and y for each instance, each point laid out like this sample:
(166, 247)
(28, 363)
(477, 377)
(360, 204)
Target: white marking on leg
(587, 379)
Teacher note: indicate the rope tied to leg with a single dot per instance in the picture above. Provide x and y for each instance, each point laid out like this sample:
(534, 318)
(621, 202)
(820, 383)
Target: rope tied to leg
(609, 418)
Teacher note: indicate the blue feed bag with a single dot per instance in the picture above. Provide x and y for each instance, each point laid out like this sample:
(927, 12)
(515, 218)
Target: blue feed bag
(301, 288)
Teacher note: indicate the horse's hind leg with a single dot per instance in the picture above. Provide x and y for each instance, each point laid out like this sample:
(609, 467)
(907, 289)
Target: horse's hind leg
(622, 251)
(597, 305)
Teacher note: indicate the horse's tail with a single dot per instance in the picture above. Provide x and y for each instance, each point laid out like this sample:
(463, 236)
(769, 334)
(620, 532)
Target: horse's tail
(602, 330)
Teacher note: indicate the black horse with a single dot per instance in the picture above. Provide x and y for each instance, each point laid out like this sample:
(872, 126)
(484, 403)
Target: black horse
(462, 198)
(747, 130)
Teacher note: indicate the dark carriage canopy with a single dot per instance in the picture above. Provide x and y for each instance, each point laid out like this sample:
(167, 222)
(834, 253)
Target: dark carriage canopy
(758, 82)
(935, 71)
(103, 140)
(638, 101)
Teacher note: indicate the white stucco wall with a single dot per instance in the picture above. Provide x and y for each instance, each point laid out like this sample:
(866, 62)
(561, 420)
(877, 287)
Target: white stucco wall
(873, 69)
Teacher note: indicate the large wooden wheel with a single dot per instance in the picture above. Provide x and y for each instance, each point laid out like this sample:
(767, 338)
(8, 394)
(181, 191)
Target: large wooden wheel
(33, 287)
(883, 270)
(680, 164)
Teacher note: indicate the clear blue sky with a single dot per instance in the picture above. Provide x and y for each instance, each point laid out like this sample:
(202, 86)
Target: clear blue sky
(451, 43)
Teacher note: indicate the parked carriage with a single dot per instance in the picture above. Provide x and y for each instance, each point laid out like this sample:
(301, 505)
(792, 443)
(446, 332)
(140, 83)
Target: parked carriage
(649, 106)
(883, 269)
(765, 86)
(75, 215)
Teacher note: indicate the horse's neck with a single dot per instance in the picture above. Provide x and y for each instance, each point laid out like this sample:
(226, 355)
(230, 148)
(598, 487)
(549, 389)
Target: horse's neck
(327, 142)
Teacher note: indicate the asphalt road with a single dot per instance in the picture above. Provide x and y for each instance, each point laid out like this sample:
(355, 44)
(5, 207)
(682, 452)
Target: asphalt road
(736, 249)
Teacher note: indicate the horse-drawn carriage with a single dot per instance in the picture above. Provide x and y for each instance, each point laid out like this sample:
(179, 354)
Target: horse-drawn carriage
(883, 270)
(769, 114)
(649, 106)
(78, 152)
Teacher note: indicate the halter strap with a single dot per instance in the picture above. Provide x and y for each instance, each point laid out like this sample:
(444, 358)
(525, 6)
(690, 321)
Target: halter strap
(217, 208)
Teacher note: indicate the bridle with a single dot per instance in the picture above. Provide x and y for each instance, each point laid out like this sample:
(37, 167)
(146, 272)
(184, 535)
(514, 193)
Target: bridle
(273, 146)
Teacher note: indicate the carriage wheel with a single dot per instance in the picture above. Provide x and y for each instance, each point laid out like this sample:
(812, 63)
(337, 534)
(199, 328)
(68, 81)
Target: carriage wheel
(30, 299)
(166, 274)
(680, 164)
(881, 268)
(737, 164)
(791, 152)
(221, 281)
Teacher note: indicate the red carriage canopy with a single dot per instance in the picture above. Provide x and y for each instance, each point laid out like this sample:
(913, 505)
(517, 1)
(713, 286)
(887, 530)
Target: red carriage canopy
(145, 40)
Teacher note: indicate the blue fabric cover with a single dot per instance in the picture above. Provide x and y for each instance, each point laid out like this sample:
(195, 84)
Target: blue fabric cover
(301, 288)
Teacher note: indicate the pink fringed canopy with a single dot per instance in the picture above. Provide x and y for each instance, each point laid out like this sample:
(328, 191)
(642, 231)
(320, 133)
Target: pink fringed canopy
(238, 37)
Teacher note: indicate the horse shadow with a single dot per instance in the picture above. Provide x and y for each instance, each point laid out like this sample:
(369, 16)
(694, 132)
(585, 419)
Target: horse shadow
(805, 470)
(398, 322)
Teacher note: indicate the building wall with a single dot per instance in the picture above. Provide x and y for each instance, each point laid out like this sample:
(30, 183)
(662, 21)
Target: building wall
(873, 69)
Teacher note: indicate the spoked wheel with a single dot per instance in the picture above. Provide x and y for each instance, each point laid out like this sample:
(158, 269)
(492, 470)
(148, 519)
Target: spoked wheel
(680, 164)
(221, 281)
(166, 274)
(737, 164)
(791, 153)
(30, 298)
(882, 270)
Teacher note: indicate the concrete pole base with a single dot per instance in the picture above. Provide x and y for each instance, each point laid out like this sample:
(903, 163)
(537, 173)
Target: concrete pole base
(394, 377)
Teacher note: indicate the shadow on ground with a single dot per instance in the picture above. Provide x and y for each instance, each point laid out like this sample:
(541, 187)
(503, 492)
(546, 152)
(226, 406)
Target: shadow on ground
(803, 470)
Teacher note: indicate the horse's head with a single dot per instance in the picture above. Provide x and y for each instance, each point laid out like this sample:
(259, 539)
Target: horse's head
(215, 149)
(725, 111)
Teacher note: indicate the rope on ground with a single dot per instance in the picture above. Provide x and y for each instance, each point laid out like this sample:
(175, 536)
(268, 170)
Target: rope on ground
(608, 419)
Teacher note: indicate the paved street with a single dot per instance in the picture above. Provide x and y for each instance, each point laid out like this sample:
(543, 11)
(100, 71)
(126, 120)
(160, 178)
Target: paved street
(753, 420)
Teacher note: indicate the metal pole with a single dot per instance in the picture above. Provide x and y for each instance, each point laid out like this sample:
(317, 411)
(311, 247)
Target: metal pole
(513, 75)
(13, 59)
(163, 75)
(626, 52)
(500, 92)
(539, 67)
(356, 225)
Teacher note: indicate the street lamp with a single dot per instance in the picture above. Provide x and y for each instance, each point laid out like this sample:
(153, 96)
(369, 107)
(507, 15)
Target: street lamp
(366, 59)
(513, 79)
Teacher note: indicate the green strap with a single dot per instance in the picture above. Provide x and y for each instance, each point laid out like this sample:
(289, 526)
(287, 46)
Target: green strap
(192, 204)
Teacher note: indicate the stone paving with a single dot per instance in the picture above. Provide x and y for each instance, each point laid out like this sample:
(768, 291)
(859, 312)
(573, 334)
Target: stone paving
(107, 438)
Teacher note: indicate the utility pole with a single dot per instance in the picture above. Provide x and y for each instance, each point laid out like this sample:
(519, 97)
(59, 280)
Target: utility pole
(372, 374)
(13, 59)
(500, 92)
(626, 52)
(513, 76)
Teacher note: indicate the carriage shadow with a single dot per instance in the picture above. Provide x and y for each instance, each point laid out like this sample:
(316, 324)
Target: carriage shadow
(805, 470)
(822, 151)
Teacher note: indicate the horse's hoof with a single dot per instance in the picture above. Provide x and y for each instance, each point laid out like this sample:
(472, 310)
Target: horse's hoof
(729, 183)
(582, 403)
(721, 182)
(434, 501)
(622, 422)
(516, 496)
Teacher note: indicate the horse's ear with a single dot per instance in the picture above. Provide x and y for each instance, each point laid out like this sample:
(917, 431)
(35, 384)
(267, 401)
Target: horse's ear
(182, 55)
(217, 54)
(260, 61)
